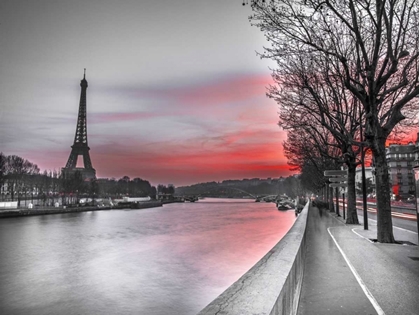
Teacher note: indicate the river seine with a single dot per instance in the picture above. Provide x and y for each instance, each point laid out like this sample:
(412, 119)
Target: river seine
(169, 260)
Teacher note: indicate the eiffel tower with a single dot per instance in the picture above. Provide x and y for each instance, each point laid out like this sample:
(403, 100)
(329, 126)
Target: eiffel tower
(80, 145)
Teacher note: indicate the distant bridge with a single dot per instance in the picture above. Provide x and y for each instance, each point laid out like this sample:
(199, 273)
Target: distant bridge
(268, 198)
(241, 190)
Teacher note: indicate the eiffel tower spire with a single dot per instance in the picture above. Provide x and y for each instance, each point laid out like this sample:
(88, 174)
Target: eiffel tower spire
(80, 145)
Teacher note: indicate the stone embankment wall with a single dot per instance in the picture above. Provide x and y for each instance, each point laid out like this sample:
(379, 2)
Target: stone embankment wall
(273, 285)
(52, 210)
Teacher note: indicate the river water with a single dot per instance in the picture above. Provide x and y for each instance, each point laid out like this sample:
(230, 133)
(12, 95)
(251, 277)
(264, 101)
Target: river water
(169, 260)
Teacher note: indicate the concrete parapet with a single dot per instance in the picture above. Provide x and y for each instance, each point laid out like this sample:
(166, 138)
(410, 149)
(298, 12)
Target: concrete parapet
(273, 285)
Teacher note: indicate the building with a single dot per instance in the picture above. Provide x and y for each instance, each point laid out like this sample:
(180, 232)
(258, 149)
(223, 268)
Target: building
(401, 159)
(369, 174)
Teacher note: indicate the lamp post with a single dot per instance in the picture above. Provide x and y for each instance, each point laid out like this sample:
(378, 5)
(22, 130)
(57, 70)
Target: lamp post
(416, 177)
(362, 158)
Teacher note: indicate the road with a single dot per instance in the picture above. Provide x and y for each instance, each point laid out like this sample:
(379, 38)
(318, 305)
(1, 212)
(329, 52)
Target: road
(401, 220)
(406, 221)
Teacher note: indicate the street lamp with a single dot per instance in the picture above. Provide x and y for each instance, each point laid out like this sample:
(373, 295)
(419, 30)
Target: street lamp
(362, 158)
(416, 177)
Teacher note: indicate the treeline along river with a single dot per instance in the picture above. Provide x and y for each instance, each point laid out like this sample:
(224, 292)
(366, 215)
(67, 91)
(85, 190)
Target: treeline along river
(169, 260)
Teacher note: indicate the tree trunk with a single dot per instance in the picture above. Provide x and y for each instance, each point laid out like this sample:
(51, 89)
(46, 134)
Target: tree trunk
(12, 191)
(351, 195)
(325, 193)
(383, 198)
(331, 200)
(337, 203)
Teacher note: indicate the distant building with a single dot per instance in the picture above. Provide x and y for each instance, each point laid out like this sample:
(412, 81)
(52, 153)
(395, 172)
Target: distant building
(368, 174)
(401, 159)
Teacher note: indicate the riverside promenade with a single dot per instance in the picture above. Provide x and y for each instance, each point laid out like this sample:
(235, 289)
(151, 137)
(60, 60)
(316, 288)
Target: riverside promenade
(323, 266)
(345, 272)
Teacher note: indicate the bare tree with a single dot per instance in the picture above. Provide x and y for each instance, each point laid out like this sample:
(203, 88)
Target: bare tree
(311, 156)
(313, 153)
(17, 170)
(72, 184)
(313, 98)
(371, 45)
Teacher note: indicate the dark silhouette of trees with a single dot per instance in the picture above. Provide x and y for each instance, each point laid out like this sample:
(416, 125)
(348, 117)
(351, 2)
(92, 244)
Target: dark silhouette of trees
(73, 185)
(370, 48)
(2, 168)
(93, 189)
(22, 178)
(136, 187)
(53, 184)
(311, 154)
(44, 187)
(142, 188)
(125, 187)
(246, 188)
(108, 187)
(166, 190)
(316, 103)
(16, 173)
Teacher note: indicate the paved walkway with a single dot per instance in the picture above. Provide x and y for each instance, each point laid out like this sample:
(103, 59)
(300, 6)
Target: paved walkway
(345, 273)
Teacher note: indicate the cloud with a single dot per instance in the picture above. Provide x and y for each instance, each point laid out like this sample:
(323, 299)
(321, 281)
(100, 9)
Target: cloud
(195, 94)
(117, 117)
(192, 161)
(214, 129)
(224, 90)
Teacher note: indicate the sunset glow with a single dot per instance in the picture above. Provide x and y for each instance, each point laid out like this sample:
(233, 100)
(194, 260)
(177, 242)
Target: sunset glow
(172, 100)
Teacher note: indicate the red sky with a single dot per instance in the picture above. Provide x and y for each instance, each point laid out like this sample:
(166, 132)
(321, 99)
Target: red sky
(176, 90)
(223, 128)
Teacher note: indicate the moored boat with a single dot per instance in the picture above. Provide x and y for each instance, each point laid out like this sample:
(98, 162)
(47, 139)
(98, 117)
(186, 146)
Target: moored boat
(284, 205)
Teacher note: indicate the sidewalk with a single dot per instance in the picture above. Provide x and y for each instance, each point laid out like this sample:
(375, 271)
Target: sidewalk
(346, 273)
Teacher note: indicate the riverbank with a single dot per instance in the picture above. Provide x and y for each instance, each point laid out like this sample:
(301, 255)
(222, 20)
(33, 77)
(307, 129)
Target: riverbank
(21, 212)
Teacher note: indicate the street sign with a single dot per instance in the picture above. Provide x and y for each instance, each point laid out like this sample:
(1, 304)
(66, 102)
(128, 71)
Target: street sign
(337, 179)
(335, 173)
(338, 185)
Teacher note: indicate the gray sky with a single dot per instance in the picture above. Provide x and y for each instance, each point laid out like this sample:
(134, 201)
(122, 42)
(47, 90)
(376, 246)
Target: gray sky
(176, 92)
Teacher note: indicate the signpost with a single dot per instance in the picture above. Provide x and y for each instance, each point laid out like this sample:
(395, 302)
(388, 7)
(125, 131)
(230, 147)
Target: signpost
(344, 206)
(337, 179)
(335, 173)
(340, 185)
(416, 177)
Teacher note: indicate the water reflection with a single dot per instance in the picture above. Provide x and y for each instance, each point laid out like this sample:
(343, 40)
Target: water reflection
(170, 260)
